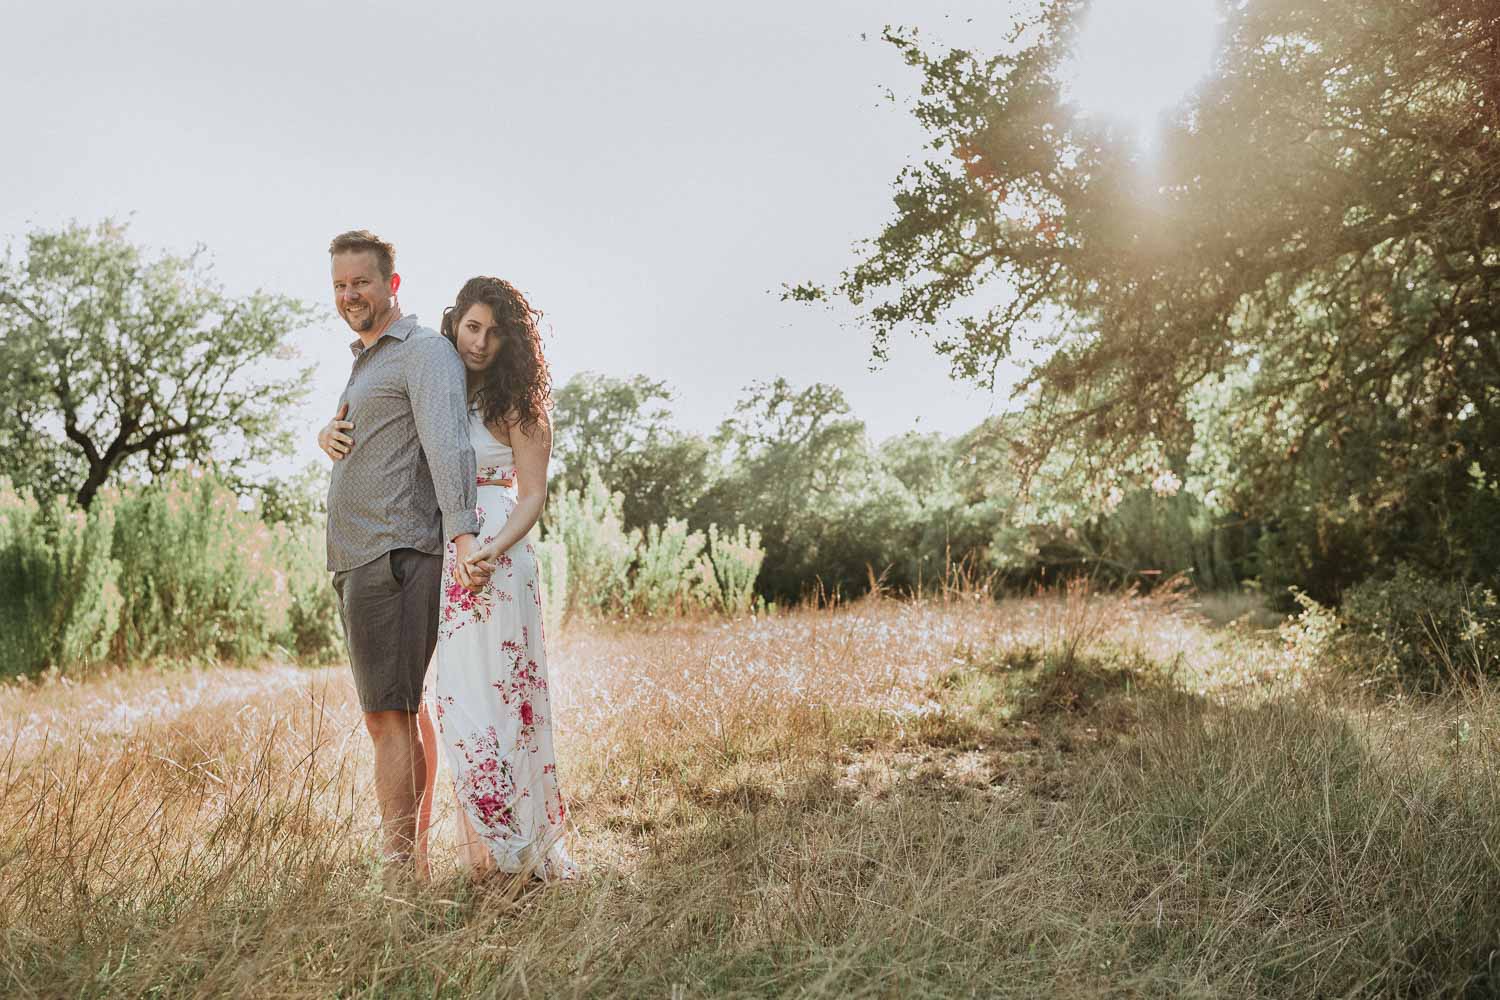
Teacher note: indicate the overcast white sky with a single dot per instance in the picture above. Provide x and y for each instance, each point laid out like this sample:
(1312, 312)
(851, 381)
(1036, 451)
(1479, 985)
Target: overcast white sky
(648, 174)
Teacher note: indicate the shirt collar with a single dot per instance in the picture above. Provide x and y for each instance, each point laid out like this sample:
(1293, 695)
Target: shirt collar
(401, 329)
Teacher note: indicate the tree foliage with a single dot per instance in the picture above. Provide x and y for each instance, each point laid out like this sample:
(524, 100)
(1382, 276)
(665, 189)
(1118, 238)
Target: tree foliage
(114, 361)
(796, 465)
(623, 427)
(1294, 294)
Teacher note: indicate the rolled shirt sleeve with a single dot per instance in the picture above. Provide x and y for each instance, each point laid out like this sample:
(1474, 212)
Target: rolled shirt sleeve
(435, 385)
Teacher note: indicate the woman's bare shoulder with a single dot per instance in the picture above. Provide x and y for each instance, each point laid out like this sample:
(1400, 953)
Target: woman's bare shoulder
(505, 431)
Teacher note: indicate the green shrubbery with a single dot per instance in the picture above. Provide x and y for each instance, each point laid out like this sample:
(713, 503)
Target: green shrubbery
(198, 572)
(1408, 627)
(174, 571)
(834, 511)
(661, 569)
(552, 571)
(60, 597)
(734, 561)
(182, 571)
(591, 527)
(1423, 629)
(668, 577)
(312, 631)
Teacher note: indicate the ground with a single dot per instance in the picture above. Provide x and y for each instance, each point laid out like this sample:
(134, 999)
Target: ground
(1066, 795)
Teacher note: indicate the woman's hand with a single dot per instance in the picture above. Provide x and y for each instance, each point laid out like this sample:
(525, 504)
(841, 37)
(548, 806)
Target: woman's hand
(485, 558)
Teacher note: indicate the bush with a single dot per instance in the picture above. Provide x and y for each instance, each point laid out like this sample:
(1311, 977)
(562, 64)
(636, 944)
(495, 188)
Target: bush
(201, 579)
(608, 569)
(668, 576)
(590, 524)
(59, 596)
(181, 570)
(552, 572)
(1314, 634)
(1426, 630)
(734, 561)
(312, 631)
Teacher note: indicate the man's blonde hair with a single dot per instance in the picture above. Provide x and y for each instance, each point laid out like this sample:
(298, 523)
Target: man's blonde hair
(360, 240)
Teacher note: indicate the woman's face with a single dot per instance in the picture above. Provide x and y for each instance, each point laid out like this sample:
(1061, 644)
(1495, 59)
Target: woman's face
(478, 337)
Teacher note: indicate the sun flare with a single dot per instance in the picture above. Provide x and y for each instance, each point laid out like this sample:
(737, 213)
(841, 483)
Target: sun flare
(1134, 59)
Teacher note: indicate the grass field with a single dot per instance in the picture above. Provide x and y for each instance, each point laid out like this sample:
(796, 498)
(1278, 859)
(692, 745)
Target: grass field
(1067, 796)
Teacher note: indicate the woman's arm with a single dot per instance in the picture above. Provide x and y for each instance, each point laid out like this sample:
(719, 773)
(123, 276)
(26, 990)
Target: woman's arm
(532, 448)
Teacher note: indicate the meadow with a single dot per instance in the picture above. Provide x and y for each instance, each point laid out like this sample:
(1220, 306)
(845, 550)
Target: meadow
(1252, 345)
(1068, 795)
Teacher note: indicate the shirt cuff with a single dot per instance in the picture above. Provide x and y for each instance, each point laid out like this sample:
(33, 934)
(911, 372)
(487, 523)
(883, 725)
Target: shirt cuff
(459, 522)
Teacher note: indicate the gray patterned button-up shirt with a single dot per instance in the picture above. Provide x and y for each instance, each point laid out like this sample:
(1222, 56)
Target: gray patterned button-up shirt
(408, 481)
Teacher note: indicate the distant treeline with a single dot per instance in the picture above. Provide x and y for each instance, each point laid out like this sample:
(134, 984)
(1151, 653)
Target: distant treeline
(838, 512)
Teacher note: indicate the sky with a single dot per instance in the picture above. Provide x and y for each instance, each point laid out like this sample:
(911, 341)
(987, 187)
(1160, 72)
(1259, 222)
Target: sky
(650, 175)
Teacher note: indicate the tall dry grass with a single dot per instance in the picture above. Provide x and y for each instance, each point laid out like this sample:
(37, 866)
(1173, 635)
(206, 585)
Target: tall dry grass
(1074, 795)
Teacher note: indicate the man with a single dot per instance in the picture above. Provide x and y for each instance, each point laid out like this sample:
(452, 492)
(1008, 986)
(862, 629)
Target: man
(392, 503)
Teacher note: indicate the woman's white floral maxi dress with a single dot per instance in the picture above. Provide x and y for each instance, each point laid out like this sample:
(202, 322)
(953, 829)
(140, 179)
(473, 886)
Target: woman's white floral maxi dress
(490, 696)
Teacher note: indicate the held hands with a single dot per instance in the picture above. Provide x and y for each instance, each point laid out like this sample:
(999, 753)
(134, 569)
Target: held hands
(473, 565)
(486, 557)
(332, 439)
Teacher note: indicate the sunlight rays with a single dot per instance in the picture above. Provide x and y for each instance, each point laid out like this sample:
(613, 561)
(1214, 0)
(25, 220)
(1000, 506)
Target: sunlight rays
(1134, 59)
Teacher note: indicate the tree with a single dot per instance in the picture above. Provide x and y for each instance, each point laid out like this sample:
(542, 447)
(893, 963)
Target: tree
(601, 420)
(111, 361)
(1309, 265)
(797, 468)
(622, 427)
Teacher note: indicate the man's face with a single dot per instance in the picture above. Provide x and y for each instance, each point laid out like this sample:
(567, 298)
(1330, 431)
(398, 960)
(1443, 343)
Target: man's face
(361, 294)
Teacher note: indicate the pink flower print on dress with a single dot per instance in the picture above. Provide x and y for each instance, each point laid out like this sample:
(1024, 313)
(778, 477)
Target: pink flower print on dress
(491, 659)
(487, 784)
(462, 606)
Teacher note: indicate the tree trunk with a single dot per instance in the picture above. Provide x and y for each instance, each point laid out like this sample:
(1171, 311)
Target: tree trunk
(98, 473)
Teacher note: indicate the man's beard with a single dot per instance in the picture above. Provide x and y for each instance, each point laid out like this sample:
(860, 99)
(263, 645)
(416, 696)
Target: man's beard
(364, 325)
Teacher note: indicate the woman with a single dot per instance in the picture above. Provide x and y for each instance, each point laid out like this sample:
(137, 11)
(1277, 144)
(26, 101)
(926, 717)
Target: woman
(489, 684)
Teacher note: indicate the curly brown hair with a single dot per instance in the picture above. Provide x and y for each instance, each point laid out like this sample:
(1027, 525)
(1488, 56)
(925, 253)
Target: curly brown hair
(516, 389)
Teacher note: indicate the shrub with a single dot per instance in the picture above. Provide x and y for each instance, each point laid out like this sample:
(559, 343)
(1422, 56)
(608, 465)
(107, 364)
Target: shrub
(59, 596)
(608, 569)
(552, 572)
(312, 631)
(667, 576)
(590, 524)
(1313, 634)
(729, 574)
(200, 574)
(1427, 630)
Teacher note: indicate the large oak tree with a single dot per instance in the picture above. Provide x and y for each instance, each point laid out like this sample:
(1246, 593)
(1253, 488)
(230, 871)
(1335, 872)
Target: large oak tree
(112, 360)
(1296, 289)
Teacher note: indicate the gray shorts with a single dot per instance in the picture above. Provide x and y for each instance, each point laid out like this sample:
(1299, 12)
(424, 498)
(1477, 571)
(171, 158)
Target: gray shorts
(389, 607)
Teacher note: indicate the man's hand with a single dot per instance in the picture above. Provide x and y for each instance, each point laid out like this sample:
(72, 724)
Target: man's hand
(332, 439)
(472, 574)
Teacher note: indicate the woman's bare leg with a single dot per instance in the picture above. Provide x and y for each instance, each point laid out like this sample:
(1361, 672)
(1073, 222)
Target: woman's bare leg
(428, 736)
(471, 850)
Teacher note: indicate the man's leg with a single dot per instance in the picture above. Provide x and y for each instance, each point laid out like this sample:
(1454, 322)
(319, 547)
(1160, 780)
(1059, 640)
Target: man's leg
(390, 612)
(400, 778)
